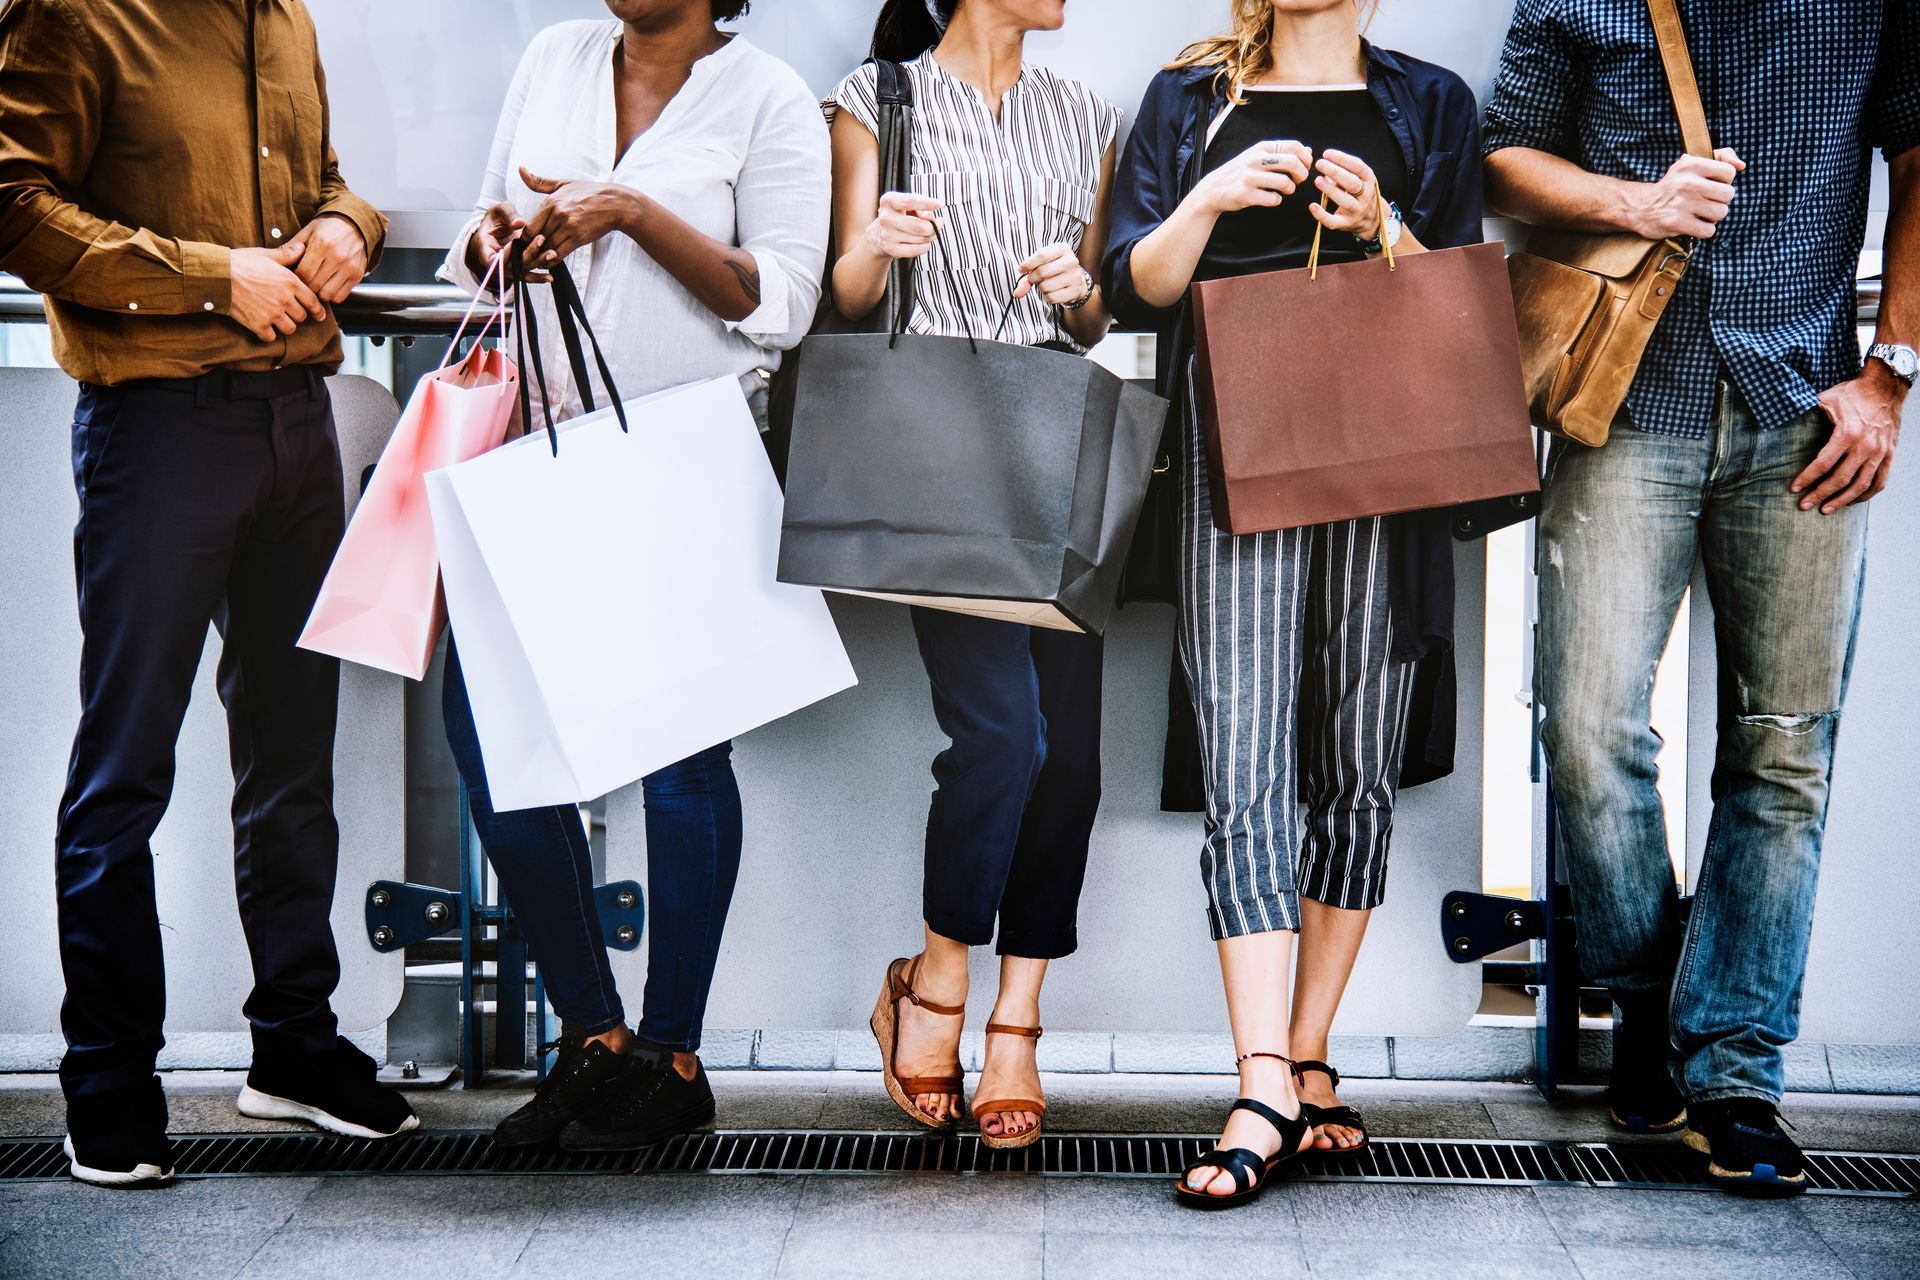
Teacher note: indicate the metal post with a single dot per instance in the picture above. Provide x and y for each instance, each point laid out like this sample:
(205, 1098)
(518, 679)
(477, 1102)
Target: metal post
(470, 1066)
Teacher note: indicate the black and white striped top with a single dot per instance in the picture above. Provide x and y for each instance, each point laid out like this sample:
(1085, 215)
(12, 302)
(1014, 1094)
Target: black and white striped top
(1010, 187)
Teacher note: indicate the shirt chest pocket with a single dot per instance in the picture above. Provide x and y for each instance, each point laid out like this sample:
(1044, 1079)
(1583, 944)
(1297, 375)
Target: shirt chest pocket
(306, 149)
(1066, 211)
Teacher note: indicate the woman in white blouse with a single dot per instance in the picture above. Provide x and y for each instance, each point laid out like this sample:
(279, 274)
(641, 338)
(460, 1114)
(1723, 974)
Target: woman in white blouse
(683, 176)
(1012, 167)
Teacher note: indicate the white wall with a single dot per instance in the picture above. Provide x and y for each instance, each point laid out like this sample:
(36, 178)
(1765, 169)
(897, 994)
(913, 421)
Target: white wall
(416, 85)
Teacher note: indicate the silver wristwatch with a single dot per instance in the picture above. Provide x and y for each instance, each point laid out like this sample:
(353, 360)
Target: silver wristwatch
(1900, 358)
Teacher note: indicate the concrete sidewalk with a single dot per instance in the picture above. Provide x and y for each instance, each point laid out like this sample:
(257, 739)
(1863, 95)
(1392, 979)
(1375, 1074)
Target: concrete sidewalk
(983, 1228)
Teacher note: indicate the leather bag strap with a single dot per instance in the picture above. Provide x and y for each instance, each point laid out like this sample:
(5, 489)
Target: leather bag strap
(893, 86)
(1672, 35)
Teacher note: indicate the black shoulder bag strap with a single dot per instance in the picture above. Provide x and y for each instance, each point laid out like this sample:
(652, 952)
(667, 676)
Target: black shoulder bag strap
(893, 85)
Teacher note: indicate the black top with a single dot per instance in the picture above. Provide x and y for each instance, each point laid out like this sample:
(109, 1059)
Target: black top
(1263, 239)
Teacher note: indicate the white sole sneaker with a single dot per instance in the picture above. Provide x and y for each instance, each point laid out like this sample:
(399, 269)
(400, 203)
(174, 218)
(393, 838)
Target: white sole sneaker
(264, 1106)
(141, 1175)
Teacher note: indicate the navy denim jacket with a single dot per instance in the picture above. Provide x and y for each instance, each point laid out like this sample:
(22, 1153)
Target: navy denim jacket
(1432, 113)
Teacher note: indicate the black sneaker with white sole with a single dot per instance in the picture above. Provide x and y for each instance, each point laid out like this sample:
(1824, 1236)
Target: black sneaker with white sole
(335, 1089)
(1641, 1094)
(581, 1075)
(1744, 1147)
(649, 1104)
(118, 1138)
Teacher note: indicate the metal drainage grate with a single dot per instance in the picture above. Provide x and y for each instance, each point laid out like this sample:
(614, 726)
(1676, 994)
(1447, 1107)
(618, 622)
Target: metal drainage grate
(1403, 1160)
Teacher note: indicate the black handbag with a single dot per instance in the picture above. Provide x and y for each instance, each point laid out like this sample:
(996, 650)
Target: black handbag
(894, 90)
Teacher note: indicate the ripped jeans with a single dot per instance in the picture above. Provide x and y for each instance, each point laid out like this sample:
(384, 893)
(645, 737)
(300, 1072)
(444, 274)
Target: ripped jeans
(1620, 531)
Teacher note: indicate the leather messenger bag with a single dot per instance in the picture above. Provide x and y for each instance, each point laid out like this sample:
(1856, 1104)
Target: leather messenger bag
(1587, 304)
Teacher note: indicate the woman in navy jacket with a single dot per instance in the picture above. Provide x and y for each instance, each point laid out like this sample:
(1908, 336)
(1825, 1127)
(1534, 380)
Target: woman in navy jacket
(1320, 659)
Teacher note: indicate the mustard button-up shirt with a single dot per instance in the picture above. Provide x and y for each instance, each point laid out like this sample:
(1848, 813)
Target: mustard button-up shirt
(141, 141)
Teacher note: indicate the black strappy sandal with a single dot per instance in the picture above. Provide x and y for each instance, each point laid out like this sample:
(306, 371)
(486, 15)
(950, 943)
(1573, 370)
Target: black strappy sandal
(1344, 1116)
(1250, 1171)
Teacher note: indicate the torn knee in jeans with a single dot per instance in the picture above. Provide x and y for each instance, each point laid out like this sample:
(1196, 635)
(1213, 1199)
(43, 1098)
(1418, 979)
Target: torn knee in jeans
(1792, 725)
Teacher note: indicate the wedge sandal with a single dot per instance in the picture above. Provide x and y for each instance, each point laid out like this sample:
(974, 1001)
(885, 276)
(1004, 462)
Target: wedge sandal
(1027, 1137)
(1344, 1116)
(886, 1031)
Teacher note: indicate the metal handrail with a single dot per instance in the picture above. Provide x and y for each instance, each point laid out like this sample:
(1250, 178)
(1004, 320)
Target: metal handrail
(374, 310)
(434, 310)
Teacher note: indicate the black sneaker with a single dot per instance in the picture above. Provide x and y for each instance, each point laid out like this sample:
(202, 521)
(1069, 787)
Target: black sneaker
(580, 1076)
(1641, 1096)
(648, 1104)
(1746, 1151)
(119, 1138)
(334, 1089)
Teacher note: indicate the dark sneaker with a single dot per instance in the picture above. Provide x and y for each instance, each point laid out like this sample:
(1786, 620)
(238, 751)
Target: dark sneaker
(334, 1089)
(119, 1138)
(649, 1104)
(580, 1077)
(1746, 1151)
(1641, 1095)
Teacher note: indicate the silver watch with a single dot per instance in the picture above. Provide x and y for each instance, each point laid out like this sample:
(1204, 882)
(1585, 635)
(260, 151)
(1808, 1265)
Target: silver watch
(1900, 358)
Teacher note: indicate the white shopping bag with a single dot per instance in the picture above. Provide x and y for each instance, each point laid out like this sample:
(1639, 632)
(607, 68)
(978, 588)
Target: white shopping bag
(614, 601)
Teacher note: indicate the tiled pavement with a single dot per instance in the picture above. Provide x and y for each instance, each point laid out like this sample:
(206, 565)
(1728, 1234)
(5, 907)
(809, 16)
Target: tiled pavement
(982, 1228)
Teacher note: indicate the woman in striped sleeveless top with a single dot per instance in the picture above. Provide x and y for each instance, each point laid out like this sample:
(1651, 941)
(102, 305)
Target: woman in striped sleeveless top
(1305, 650)
(1011, 171)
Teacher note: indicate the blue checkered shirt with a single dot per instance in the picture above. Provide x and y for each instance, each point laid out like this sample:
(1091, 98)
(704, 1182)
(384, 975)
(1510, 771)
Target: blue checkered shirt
(1802, 90)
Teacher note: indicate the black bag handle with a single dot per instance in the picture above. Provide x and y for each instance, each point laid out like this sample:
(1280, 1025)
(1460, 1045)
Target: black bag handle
(574, 311)
(893, 87)
(571, 313)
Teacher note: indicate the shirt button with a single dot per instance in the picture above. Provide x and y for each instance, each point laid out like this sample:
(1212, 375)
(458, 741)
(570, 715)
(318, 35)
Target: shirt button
(264, 152)
(206, 306)
(275, 233)
(133, 306)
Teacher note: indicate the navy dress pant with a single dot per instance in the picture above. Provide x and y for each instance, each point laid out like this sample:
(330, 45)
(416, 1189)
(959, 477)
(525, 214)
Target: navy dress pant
(1017, 791)
(219, 500)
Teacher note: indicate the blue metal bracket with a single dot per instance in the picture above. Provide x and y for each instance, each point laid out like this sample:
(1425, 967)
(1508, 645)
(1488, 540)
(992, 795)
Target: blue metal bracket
(623, 913)
(400, 914)
(1475, 925)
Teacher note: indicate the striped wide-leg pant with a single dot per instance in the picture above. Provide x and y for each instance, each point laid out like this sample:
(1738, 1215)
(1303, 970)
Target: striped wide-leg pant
(1302, 713)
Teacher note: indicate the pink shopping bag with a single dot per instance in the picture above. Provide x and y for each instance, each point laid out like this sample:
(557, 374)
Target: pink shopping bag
(381, 604)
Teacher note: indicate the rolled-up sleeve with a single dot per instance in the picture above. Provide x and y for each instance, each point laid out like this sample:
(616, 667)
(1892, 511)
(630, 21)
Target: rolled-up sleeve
(1532, 103)
(781, 210)
(51, 112)
(1146, 191)
(1894, 116)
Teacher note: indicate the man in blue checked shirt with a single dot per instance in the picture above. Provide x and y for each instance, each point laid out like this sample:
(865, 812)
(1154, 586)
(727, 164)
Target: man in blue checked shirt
(1752, 440)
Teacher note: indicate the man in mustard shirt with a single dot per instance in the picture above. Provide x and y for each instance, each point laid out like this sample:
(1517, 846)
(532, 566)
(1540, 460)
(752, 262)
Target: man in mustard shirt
(166, 181)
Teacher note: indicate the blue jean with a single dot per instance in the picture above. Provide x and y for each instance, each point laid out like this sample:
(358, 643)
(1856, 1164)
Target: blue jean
(546, 869)
(1620, 531)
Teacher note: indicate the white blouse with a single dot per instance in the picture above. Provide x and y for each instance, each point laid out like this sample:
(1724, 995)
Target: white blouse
(740, 153)
(1009, 186)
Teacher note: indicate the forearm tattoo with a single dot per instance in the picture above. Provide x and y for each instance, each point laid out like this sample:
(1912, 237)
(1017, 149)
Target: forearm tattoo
(749, 278)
